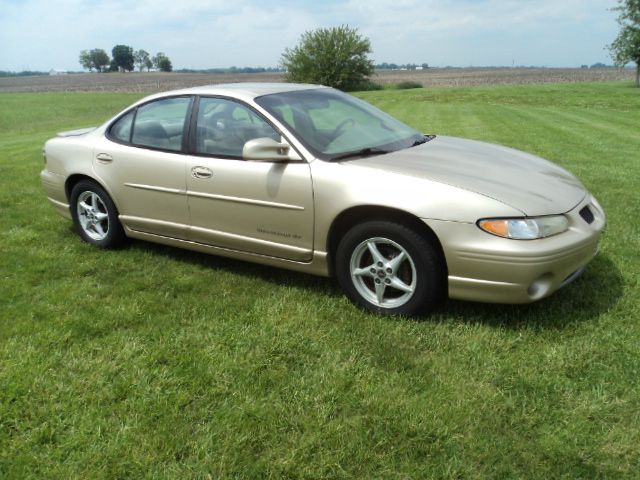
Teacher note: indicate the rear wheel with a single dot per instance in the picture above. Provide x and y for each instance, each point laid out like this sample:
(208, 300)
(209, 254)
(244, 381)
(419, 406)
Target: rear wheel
(95, 216)
(390, 269)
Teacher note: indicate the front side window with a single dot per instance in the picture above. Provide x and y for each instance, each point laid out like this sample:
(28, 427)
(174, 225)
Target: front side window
(224, 126)
(331, 123)
(160, 124)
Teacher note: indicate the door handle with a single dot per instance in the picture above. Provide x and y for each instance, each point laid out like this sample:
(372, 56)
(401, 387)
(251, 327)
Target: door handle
(201, 172)
(104, 158)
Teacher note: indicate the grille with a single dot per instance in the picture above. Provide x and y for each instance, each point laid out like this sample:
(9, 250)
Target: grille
(587, 214)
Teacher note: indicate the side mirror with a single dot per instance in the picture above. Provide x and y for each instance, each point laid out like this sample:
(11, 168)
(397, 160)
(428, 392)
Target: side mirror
(268, 150)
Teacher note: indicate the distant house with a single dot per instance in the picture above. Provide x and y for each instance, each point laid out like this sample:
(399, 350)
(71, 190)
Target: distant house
(57, 72)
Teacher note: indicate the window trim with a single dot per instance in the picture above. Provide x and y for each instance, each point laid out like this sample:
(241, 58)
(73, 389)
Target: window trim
(189, 129)
(185, 128)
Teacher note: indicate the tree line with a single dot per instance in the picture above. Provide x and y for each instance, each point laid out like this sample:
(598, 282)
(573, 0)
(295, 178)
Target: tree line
(23, 73)
(232, 69)
(123, 59)
(404, 66)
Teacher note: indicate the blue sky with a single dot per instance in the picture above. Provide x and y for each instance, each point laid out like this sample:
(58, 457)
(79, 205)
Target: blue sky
(45, 34)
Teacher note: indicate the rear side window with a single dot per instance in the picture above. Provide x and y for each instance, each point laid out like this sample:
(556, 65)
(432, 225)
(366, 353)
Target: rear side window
(161, 124)
(121, 130)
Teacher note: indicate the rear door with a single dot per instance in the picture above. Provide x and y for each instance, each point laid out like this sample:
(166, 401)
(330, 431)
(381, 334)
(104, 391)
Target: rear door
(141, 161)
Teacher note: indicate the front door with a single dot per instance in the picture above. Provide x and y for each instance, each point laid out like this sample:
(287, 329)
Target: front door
(264, 208)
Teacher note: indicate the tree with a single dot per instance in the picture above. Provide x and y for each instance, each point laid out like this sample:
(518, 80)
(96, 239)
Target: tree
(335, 56)
(96, 58)
(123, 57)
(162, 62)
(148, 64)
(626, 47)
(100, 59)
(156, 60)
(141, 57)
(85, 60)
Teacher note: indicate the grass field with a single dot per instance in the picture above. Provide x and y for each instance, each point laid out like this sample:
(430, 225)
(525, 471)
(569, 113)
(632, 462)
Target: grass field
(154, 362)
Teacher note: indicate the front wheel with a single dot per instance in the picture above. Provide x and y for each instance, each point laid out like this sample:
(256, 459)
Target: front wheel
(390, 269)
(95, 216)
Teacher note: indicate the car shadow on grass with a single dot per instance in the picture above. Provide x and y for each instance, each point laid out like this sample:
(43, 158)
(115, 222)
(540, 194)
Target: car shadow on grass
(594, 293)
(274, 275)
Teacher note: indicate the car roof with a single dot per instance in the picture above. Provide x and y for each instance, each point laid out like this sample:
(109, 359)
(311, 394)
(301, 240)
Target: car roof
(244, 91)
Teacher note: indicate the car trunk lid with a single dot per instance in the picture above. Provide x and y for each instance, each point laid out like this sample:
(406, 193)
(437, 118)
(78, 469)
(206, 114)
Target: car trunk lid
(76, 133)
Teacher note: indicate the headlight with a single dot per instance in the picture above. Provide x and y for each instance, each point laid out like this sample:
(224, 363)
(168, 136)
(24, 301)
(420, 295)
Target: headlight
(525, 228)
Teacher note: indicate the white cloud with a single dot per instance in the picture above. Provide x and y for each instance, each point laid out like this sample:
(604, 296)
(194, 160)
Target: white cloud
(487, 32)
(41, 34)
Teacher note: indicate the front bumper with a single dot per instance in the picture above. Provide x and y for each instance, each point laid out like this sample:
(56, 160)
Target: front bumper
(486, 268)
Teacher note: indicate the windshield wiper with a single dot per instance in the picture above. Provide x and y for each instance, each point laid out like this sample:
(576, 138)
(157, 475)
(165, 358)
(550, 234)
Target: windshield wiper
(422, 140)
(365, 152)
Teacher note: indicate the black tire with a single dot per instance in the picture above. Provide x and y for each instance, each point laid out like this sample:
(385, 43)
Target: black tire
(91, 223)
(421, 269)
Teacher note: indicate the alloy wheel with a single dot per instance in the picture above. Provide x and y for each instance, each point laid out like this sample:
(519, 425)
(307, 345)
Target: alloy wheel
(383, 272)
(93, 215)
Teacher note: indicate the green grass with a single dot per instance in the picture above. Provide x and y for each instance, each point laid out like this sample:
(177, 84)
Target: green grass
(160, 363)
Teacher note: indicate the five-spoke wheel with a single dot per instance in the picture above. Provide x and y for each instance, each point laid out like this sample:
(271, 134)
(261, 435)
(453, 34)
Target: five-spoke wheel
(389, 268)
(94, 215)
(383, 272)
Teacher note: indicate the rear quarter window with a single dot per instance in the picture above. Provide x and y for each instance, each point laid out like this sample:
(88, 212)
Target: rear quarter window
(121, 130)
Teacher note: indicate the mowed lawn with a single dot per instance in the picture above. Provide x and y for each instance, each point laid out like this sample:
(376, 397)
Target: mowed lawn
(153, 362)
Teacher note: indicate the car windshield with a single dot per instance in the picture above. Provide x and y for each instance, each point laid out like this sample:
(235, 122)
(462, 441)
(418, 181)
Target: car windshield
(334, 125)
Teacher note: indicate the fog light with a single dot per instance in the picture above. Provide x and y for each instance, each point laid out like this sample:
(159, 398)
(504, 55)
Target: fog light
(540, 287)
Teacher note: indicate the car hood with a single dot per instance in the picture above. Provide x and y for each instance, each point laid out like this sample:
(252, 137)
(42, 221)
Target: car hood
(528, 183)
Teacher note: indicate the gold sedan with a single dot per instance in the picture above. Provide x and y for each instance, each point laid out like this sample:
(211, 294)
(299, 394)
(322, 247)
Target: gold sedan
(311, 179)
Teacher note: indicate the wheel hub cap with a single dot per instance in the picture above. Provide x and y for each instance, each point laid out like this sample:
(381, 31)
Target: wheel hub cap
(383, 272)
(92, 215)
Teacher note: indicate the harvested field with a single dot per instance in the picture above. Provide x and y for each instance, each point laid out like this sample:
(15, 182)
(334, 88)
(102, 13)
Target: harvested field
(467, 77)
(444, 77)
(126, 82)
